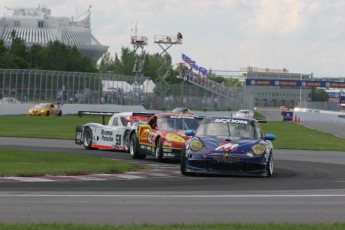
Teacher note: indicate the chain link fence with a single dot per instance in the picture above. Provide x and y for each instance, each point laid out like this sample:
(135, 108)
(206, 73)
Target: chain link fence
(34, 86)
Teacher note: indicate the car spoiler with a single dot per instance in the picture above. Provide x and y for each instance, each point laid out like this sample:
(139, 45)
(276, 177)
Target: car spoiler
(97, 113)
(143, 114)
(262, 121)
(103, 114)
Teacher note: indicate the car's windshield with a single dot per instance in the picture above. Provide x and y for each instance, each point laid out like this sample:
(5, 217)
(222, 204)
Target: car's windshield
(178, 122)
(229, 127)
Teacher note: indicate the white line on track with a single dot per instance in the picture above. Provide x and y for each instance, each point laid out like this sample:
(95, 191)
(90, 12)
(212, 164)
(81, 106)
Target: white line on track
(172, 196)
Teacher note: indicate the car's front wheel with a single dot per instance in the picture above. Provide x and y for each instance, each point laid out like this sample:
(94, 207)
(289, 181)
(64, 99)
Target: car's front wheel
(127, 140)
(269, 166)
(87, 138)
(183, 163)
(159, 150)
(134, 148)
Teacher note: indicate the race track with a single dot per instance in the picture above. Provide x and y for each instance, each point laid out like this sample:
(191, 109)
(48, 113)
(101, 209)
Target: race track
(307, 187)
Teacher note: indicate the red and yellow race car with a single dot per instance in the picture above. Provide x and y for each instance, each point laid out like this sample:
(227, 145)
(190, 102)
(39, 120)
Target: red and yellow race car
(163, 136)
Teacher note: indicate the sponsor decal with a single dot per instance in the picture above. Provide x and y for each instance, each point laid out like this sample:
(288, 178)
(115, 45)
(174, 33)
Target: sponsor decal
(151, 137)
(230, 120)
(107, 135)
(182, 117)
(167, 143)
(106, 132)
(174, 138)
(144, 135)
(226, 159)
(227, 147)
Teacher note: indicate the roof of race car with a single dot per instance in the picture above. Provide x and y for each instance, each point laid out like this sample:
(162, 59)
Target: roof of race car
(174, 114)
(117, 114)
(179, 115)
(229, 118)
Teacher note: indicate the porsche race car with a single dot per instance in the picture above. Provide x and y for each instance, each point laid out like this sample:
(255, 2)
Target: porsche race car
(113, 136)
(244, 113)
(45, 109)
(228, 145)
(163, 136)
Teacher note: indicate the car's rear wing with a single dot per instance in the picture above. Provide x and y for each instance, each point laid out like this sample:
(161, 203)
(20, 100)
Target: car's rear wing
(262, 121)
(104, 114)
(143, 114)
(96, 113)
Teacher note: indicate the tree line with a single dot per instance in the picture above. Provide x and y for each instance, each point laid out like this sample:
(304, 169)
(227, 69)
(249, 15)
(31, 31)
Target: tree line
(60, 57)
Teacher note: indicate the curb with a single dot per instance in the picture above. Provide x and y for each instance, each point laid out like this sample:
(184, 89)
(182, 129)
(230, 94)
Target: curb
(156, 172)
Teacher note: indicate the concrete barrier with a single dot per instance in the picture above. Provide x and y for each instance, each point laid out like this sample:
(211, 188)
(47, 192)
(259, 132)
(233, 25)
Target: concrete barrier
(321, 116)
(21, 109)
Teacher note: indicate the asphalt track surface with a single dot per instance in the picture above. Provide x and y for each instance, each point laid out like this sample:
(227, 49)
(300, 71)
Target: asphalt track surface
(307, 187)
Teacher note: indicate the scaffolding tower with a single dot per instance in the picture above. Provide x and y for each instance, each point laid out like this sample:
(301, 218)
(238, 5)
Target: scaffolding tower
(139, 43)
(164, 71)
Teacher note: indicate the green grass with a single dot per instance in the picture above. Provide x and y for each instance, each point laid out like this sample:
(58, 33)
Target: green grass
(174, 227)
(294, 136)
(43, 127)
(28, 163)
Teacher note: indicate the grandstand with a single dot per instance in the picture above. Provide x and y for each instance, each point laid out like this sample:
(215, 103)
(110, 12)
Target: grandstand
(38, 26)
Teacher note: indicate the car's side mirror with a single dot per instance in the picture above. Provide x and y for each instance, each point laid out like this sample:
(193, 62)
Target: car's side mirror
(270, 137)
(189, 133)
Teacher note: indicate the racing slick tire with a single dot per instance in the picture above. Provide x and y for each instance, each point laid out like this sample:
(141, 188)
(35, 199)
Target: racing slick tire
(59, 113)
(159, 150)
(127, 140)
(47, 114)
(183, 165)
(269, 167)
(87, 138)
(134, 148)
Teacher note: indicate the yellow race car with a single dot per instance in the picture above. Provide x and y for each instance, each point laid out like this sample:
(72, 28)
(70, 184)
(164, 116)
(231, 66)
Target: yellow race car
(45, 109)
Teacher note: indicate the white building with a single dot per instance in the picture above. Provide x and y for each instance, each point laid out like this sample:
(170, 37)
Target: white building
(37, 26)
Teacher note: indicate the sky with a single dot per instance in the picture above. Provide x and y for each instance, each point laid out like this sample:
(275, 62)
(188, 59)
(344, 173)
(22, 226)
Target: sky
(303, 36)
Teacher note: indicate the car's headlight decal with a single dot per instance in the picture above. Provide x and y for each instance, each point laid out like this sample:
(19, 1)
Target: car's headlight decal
(175, 138)
(196, 145)
(259, 149)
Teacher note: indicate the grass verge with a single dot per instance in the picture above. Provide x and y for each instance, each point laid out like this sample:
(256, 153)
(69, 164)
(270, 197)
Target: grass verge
(43, 127)
(294, 136)
(28, 163)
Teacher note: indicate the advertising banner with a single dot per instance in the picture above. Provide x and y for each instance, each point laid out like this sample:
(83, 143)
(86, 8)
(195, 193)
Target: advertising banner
(294, 83)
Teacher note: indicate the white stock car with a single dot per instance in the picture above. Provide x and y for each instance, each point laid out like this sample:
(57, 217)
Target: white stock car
(244, 113)
(113, 136)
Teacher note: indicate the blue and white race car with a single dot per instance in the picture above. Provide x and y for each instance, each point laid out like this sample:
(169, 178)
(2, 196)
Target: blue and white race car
(228, 146)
